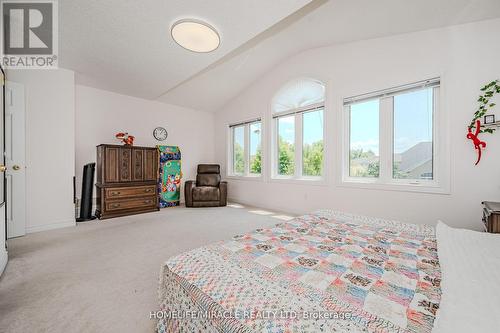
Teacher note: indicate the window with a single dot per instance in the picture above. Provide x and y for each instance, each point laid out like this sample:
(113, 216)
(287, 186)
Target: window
(412, 151)
(298, 144)
(246, 149)
(391, 136)
(286, 146)
(364, 158)
(312, 143)
(255, 148)
(239, 150)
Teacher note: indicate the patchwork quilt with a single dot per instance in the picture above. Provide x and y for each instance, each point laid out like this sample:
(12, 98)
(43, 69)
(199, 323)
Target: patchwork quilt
(324, 272)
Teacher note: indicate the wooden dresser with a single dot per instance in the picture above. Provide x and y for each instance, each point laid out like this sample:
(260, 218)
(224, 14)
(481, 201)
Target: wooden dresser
(126, 180)
(491, 216)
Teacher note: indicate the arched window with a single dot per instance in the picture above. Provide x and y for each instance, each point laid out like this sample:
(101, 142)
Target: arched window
(298, 142)
(298, 94)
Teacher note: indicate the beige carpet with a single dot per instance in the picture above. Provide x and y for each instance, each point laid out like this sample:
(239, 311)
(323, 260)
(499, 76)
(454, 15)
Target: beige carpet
(103, 276)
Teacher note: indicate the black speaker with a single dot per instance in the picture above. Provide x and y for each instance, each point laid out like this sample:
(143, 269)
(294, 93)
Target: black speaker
(87, 189)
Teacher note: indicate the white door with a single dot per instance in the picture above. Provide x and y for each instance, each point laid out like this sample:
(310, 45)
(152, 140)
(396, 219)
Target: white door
(15, 159)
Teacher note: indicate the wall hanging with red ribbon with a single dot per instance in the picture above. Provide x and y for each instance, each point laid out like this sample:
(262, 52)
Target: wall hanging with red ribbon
(476, 128)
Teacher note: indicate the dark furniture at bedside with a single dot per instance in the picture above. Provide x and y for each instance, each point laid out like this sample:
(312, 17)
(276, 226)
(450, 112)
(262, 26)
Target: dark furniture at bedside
(491, 216)
(208, 190)
(126, 180)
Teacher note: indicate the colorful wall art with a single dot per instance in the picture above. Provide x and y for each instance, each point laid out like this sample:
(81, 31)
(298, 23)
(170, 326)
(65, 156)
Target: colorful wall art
(170, 176)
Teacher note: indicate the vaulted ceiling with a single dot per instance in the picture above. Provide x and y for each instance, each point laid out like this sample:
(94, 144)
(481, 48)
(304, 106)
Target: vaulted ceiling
(125, 45)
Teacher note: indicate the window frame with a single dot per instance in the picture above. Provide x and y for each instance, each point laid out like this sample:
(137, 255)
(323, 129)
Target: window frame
(246, 150)
(298, 144)
(386, 181)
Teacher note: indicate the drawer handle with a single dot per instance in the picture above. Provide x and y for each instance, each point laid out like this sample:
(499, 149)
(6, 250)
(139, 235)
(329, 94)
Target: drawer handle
(115, 193)
(148, 201)
(115, 205)
(148, 190)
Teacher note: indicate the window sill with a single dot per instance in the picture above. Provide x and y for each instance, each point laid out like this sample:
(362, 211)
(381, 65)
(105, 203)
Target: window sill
(241, 177)
(316, 181)
(373, 184)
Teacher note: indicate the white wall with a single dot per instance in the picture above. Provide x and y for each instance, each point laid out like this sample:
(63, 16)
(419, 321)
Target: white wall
(101, 114)
(50, 146)
(466, 57)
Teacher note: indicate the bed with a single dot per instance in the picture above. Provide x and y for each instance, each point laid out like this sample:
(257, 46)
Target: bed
(323, 272)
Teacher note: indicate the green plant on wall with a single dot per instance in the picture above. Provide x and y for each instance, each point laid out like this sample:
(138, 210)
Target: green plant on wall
(485, 104)
(475, 128)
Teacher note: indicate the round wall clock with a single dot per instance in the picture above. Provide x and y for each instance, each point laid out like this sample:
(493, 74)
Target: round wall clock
(160, 134)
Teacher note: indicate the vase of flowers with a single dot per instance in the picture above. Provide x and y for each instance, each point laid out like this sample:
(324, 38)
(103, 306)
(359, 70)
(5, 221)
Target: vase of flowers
(125, 138)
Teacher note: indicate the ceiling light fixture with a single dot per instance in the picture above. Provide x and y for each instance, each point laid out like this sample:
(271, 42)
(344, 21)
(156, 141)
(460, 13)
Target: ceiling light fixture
(196, 36)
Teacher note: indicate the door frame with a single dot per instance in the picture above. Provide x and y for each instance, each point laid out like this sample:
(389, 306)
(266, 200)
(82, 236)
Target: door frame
(2, 158)
(3, 251)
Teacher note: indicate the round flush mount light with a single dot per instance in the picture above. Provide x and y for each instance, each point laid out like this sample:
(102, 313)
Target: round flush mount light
(196, 36)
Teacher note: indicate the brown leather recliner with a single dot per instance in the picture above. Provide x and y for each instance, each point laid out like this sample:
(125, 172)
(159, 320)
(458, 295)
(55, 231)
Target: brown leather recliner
(208, 190)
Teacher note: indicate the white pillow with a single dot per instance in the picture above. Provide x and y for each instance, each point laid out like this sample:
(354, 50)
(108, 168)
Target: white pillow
(470, 267)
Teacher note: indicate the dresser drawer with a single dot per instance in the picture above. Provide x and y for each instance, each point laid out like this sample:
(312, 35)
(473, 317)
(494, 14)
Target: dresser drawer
(146, 202)
(129, 192)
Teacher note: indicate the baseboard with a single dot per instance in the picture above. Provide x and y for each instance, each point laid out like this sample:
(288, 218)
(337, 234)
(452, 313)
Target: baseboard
(3, 260)
(45, 227)
(264, 206)
(241, 202)
(77, 206)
